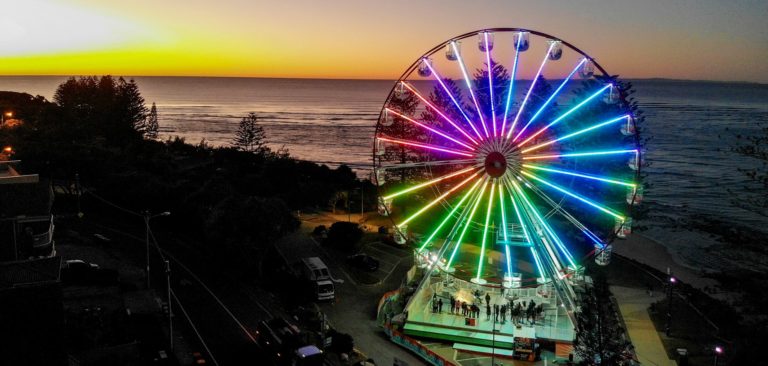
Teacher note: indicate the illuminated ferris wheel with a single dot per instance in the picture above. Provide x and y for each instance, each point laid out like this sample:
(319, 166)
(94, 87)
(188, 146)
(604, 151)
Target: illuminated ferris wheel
(506, 157)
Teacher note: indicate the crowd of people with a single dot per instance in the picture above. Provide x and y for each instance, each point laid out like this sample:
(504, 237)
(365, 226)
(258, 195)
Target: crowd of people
(516, 311)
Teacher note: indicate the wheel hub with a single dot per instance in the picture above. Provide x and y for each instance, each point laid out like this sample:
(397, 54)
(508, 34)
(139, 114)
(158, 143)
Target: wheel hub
(495, 164)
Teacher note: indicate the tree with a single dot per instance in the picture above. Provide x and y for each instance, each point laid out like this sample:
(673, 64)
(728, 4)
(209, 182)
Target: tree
(151, 125)
(599, 335)
(102, 108)
(250, 136)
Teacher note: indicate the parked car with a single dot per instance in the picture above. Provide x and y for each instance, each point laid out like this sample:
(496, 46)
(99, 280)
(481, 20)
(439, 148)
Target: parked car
(363, 261)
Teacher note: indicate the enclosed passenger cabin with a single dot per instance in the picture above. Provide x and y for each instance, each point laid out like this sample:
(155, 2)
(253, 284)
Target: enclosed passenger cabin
(485, 41)
(555, 50)
(425, 67)
(452, 50)
(521, 41)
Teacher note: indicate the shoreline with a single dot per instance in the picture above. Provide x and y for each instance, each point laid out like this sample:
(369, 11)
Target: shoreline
(655, 255)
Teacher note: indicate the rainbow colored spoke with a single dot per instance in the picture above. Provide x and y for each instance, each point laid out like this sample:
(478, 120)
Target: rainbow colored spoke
(562, 116)
(527, 237)
(511, 89)
(516, 192)
(429, 183)
(504, 230)
(580, 175)
(453, 99)
(546, 228)
(581, 154)
(438, 199)
(426, 146)
(567, 215)
(450, 215)
(530, 90)
(538, 264)
(433, 130)
(574, 195)
(467, 223)
(469, 86)
(428, 163)
(552, 97)
(485, 231)
(490, 82)
(442, 115)
(574, 134)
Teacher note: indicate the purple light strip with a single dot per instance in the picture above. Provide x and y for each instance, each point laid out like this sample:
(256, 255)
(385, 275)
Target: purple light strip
(425, 146)
(453, 99)
(490, 81)
(440, 113)
(430, 129)
(469, 86)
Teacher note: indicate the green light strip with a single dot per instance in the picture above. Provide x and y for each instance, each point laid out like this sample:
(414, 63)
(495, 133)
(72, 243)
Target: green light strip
(425, 184)
(438, 199)
(485, 231)
(448, 217)
(466, 225)
(546, 228)
(504, 230)
(574, 174)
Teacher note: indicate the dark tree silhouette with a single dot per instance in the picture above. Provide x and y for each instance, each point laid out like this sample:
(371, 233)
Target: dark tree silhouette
(599, 335)
(151, 126)
(250, 136)
(102, 107)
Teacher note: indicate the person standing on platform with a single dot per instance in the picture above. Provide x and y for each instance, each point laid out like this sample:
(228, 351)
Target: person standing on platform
(503, 313)
(453, 303)
(496, 312)
(487, 311)
(463, 308)
(487, 298)
(440, 305)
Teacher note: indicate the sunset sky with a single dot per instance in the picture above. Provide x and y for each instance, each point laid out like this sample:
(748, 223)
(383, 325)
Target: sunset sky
(685, 39)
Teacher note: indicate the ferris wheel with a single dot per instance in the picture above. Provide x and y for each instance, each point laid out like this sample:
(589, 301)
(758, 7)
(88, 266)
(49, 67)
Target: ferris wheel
(507, 157)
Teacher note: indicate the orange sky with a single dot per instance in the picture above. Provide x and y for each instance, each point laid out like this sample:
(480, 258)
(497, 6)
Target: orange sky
(704, 39)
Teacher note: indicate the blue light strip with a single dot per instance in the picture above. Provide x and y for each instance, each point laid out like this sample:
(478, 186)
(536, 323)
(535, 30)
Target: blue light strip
(511, 86)
(551, 97)
(576, 196)
(566, 114)
(601, 124)
(544, 224)
(530, 90)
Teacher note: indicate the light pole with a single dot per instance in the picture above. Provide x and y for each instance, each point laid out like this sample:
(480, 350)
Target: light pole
(670, 290)
(170, 307)
(147, 217)
(718, 352)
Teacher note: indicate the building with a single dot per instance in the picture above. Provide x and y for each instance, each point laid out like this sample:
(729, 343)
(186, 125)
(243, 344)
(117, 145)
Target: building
(26, 223)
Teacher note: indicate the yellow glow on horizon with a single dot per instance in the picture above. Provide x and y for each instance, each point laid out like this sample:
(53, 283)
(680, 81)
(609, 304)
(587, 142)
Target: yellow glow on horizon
(358, 39)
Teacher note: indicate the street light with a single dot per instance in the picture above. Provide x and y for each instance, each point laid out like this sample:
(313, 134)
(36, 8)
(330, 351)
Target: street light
(6, 114)
(147, 217)
(672, 281)
(718, 352)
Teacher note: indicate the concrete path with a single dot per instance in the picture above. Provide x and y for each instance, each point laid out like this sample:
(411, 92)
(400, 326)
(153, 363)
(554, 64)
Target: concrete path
(634, 304)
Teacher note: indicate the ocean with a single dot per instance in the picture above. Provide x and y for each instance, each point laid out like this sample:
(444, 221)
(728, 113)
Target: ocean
(694, 176)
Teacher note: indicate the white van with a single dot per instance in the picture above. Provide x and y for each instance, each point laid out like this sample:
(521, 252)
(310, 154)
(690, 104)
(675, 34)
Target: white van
(315, 270)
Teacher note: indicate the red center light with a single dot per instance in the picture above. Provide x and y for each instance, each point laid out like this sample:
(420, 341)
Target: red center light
(495, 164)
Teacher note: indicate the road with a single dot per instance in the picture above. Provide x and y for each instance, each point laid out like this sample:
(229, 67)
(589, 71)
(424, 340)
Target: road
(224, 310)
(354, 311)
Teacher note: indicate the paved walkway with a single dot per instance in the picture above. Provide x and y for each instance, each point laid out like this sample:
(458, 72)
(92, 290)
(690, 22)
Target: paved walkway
(633, 304)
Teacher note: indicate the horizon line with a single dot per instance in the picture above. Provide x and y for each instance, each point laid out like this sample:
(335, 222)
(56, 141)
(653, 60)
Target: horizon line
(351, 79)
